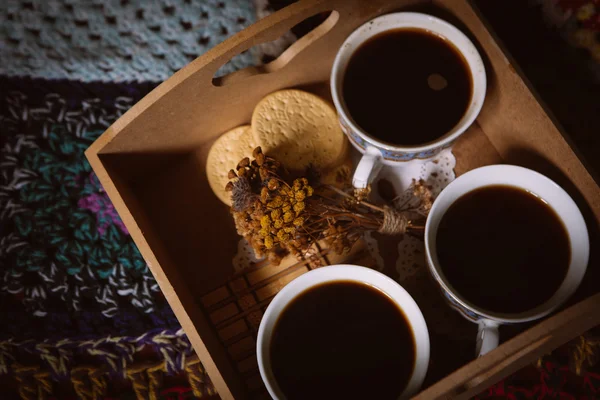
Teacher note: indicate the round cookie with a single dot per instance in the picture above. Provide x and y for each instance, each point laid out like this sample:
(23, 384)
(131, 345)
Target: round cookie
(298, 128)
(224, 155)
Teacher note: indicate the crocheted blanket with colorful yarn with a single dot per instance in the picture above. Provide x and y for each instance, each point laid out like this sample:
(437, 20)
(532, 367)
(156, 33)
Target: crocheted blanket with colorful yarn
(79, 306)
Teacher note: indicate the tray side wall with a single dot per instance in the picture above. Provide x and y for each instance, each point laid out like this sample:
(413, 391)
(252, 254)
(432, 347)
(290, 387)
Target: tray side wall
(171, 282)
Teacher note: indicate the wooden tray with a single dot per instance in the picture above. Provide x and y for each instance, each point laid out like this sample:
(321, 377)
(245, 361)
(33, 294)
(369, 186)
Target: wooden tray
(152, 164)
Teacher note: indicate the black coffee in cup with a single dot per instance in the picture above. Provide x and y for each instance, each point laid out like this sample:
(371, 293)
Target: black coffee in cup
(342, 340)
(407, 87)
(503, 249)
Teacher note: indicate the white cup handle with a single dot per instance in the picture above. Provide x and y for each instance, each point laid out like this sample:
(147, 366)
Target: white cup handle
(488, 337)
(369, 166)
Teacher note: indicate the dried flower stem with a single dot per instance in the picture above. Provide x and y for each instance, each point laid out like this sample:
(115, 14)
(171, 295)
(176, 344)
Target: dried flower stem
(362, 202)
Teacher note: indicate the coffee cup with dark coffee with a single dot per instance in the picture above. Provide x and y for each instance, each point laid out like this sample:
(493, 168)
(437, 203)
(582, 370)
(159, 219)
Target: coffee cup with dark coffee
(506, 245)
(406, 86)
(343, 332)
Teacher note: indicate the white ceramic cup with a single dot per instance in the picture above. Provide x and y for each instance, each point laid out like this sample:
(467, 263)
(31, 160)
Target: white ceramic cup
(344, 273)
(377, 153)
(556, 198)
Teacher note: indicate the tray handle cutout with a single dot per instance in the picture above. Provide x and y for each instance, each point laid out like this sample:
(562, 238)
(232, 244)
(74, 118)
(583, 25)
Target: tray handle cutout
(284, 58)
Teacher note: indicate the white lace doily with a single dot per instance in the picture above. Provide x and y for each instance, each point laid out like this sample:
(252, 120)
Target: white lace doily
(394, 183)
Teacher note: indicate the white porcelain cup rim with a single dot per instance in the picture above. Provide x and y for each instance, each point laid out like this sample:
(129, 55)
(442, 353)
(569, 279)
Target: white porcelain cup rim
(550, 192)
(425, 22)
(344, 272)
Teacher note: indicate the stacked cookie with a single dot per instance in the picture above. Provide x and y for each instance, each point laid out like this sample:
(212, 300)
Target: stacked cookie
(295, 127)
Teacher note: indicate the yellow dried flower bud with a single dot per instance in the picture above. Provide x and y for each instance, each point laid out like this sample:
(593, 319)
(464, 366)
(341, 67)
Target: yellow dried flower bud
(288, 217)
(297, 185)
(299, 221)
(282, 236)
(264, 232)
(278, 224)
(276, 203)
(299, 195)
(265, 222)
(309, 191)
(299, 207)
(290, 229)
(287, 206)
(269, 242)
(264, 194)
(276, 214)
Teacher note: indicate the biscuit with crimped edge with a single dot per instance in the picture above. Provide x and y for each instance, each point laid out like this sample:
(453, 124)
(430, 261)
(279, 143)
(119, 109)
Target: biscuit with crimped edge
(299, 129)
(224, 155)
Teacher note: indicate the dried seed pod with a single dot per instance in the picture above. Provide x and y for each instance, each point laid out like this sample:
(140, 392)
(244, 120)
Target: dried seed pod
(231, 174)
(260, 159)
(242, 172)
(256, 151)
(229, 187)
(243, 163)
(264, 194)
(272, 184)
(264, 173)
